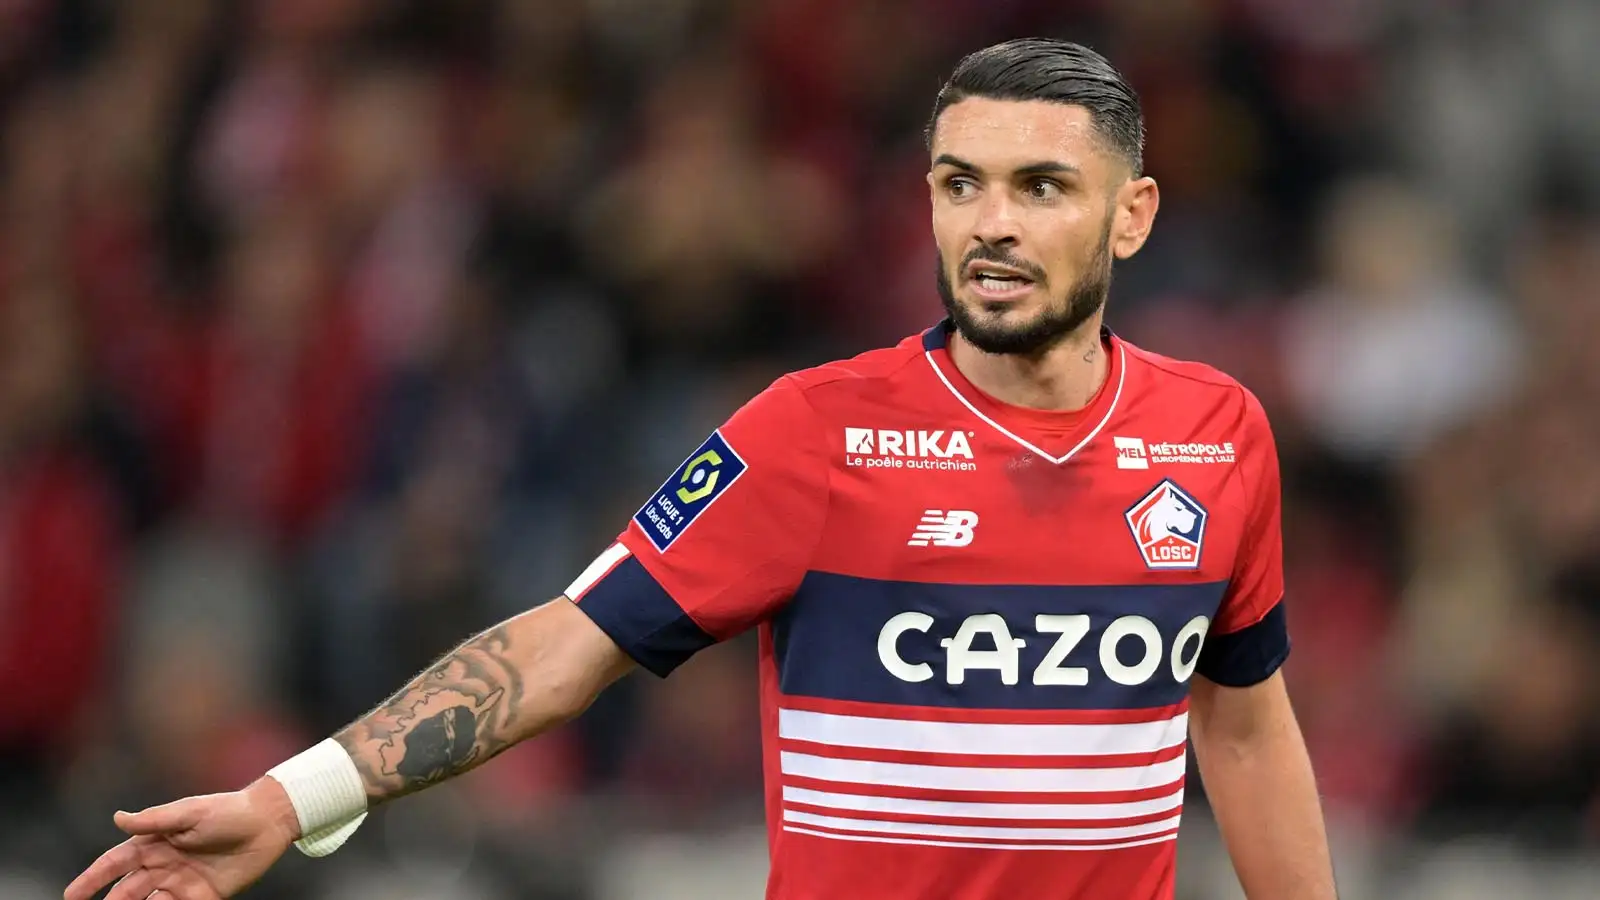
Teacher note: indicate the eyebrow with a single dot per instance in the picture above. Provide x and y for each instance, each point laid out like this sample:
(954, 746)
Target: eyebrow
(1046, 167)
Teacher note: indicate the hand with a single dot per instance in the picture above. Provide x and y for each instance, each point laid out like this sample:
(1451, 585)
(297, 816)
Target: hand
(199, 848)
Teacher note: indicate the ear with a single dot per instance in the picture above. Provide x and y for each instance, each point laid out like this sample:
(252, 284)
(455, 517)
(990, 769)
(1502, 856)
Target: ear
(1136, 201)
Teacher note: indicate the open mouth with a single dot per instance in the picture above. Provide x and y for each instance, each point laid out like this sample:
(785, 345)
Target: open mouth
(997, 282)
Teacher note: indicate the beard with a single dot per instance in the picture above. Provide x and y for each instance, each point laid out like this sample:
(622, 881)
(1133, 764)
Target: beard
(983, 325)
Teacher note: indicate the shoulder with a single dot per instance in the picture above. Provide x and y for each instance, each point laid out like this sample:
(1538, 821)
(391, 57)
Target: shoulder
(807, 399)
(1181, 374)
(863, 371)
(1180, 384)
(841, 385)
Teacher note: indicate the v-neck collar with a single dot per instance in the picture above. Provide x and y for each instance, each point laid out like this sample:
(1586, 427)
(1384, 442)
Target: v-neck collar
(1024, 426)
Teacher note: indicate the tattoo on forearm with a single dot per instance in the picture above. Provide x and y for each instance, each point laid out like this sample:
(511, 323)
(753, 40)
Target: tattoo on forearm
(454, 716)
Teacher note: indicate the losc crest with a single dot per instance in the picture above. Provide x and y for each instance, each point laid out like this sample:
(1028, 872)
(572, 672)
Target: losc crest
(1169, 526)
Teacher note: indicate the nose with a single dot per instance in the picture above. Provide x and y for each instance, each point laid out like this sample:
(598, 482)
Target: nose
(997, 224)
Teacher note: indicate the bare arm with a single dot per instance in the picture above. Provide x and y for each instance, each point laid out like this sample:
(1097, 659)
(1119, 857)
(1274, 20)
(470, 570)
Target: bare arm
(1258, 776)
(510, 683)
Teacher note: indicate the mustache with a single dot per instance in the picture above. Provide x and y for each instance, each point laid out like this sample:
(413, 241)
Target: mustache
(986, 253)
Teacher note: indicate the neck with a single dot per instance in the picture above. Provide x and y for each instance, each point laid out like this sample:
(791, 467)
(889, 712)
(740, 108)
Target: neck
(1064, 377)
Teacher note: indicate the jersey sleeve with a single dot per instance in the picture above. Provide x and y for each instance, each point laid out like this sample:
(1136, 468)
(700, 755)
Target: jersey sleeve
(1249, 640)
(725, 540)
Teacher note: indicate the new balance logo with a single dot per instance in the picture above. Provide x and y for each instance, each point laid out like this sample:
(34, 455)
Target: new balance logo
(944, 529)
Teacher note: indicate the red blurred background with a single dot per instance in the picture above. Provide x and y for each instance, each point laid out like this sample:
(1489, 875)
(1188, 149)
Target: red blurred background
(332, 331)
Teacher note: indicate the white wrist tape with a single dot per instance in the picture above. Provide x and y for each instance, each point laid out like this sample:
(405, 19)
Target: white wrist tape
(328, 796)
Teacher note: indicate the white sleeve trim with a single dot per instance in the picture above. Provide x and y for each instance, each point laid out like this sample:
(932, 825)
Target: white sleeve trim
(600, 568)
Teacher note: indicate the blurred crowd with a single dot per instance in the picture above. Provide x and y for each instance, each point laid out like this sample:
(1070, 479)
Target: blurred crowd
(332, 331)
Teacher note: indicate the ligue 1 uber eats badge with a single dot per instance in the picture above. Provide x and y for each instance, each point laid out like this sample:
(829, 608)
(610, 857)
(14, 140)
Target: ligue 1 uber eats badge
(683, 497)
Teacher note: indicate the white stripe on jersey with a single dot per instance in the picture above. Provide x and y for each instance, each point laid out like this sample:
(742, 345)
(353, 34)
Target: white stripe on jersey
(876, 839)
(982, 738)
(964, 810)
(976, 778)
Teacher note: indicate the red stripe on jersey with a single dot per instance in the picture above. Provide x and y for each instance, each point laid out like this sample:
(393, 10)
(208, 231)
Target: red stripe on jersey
(984, 760)
(985, 716)
(912, 793)
(979, 822)
(943, 839)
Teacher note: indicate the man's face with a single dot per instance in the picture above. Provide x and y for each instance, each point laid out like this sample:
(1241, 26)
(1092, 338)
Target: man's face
(1024, 200)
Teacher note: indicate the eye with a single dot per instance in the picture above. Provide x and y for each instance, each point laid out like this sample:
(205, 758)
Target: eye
(960, 187)
(1043, 189)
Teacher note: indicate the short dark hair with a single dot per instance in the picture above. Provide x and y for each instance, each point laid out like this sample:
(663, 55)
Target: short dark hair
(1056, 71)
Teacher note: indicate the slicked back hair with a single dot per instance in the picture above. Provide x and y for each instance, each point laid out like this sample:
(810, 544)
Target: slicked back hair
(1055, 71)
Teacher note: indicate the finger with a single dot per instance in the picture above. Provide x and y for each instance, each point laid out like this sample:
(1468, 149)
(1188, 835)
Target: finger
(136, 885)
(171, 884)
(178, 816)
(112, 864)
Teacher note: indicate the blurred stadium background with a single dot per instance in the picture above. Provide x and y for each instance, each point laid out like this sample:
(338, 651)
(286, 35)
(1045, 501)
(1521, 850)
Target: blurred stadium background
(334, 330)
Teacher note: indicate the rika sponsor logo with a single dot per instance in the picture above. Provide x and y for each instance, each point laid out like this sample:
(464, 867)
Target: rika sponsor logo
(1169, 527)
(882, 448)
(1135, 453)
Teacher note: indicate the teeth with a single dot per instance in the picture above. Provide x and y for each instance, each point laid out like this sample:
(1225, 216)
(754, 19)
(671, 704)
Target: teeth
(999, 282)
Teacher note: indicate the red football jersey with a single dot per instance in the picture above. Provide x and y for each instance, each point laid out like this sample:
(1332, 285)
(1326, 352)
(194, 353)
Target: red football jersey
(978, 622)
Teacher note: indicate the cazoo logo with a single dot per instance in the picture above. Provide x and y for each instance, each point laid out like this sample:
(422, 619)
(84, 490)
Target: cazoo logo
(1131, 650)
